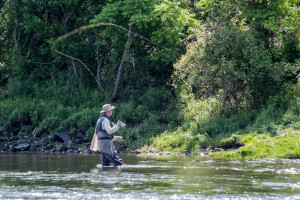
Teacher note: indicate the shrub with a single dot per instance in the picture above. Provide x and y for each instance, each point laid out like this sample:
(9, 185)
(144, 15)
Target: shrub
(231, 63)
(79, 121)
(230, 142)
(48, 125)
(155, 99)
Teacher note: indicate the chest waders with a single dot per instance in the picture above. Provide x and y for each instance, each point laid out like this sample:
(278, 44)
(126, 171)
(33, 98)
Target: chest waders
(108, 151)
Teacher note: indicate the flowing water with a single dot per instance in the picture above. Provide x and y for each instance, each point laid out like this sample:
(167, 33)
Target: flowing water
(70, 176)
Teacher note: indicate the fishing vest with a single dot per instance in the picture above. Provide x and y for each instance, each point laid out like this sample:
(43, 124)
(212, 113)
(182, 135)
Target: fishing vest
(102, 134)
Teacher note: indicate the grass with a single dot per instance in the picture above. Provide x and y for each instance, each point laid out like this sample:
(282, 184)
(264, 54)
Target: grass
(284, 145)
(186, 125)
(270, 132)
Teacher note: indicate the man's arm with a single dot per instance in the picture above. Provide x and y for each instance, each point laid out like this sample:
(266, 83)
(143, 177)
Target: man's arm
(110, 130)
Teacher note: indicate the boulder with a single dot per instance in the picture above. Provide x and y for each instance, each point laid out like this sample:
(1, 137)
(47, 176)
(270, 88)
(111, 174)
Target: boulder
(217, 149)
(80, 135)
(49, 146)
(78, 141)
(13, 138)
(3, 139)
(23, 141)
(63, 148)
(70, 151)
(62, 137)
(138, 151)
(87, 151)
(22, 147)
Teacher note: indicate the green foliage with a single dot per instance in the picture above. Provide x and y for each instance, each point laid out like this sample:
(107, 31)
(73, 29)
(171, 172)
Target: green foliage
(47, 115)
(131, 113)
(271, 132)
(234, 84)
(285, 145)
(230, 63)
(79, 121)
(155, 99)
(48, 124)
(291, 48)
(230, 142)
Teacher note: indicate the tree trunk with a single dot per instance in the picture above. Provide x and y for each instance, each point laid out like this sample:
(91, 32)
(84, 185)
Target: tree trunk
(121, 67)
(30, 46)
(100, 59)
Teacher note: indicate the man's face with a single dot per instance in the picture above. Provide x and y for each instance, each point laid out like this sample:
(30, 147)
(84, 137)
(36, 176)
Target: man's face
(109, 113)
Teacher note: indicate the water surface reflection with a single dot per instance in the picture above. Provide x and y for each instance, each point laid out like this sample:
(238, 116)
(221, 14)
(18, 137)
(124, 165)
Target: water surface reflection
(26, 176)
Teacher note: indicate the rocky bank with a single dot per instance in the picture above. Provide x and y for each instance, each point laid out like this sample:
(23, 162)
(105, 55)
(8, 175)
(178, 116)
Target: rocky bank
(57, 143)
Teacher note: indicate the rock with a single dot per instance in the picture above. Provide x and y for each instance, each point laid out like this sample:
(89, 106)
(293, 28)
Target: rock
(70, 151)
(63, 148)
(23, 141)
(87, 151)
(62, 137)
(34, 149)
(78, 141)
(1, 146)
(80, 135)
(218, 149)
(49, 146)
(43, 142)
(13, 138)
(138, 151)
(3, 139)
(87, 140)
(22, 147)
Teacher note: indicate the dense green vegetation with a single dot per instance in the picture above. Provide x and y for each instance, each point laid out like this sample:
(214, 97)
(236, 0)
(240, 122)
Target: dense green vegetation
(187, 76)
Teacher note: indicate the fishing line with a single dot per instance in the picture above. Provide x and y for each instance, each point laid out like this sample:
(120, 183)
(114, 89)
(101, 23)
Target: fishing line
(94, 26)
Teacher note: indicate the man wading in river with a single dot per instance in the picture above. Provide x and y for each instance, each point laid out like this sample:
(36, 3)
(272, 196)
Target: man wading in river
(105, 130)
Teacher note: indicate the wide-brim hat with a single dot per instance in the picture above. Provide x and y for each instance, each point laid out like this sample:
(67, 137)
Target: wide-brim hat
(106, 108)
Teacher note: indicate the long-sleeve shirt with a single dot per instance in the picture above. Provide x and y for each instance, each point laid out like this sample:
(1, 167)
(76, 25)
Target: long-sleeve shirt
(108, 128)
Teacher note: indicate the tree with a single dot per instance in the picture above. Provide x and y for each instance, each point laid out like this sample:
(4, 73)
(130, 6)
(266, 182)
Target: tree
(231, 63)
(32, 25)
(121, 67)
(161, 27)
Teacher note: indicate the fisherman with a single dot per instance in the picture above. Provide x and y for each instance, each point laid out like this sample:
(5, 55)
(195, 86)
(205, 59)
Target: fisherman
(105, 130)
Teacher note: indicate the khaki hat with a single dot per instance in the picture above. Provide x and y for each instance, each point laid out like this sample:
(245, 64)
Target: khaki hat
(107, 107)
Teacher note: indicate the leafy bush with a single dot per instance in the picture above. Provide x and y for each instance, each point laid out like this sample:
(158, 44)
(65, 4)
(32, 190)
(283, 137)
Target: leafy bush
(230, 142)
(231, 63)
(80, 121)
(224, 124)
(155, 99)
(131, 113)
(48, 125)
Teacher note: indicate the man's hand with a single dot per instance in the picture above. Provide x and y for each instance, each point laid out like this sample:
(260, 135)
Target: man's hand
(121, 124)
(117, 138)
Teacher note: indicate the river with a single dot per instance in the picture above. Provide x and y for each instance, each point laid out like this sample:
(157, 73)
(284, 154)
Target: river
(76, 176)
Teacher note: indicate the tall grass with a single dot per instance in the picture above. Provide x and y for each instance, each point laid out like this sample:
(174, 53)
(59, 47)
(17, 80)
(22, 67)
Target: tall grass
(272, 131)
(158, 121)
(41, 110)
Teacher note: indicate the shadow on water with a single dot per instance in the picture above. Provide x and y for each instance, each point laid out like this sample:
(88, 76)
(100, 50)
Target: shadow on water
(65, 176)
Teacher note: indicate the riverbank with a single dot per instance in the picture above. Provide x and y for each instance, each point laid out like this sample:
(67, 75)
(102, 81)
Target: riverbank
(57, 143)
(191, 126)
(62, 143)
(251, 145)
(284, 144)
(272, 131)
